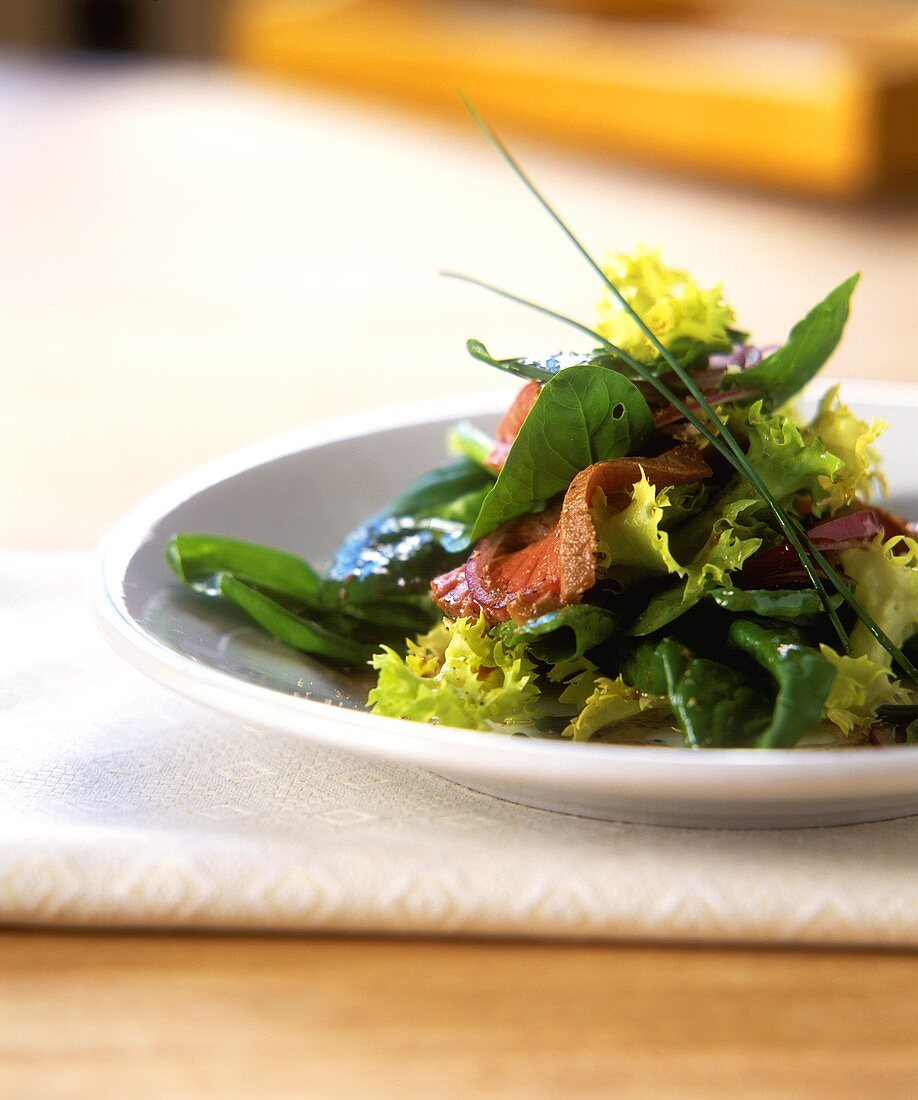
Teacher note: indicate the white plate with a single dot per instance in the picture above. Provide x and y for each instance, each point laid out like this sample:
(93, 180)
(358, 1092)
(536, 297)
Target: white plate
(303, 491)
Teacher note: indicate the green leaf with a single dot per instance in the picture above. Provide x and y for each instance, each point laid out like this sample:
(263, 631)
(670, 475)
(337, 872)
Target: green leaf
(863, 691)
(581, 416)
(396, 556)
(671, 603)
(686, 319)
(294, 630)
(665, 606)
(429, 494)
(717, 542)
(457, 675)
(543, 370)
(886, 579)
(609, 703)
(423, 532)
(562, 635)
(786, 462)
(809, 345)
(466, 440)
(850, 440)
(199, 559)
(716, 705)
(786, 605)
(630, 545)
(804, 678)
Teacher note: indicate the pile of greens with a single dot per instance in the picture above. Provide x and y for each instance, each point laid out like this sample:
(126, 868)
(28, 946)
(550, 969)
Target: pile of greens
(759, 606)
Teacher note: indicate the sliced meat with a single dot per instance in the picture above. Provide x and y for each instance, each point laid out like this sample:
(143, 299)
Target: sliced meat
(509, 427)
(536, 564)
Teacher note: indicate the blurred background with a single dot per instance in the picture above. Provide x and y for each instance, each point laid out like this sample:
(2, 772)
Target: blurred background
(224, 218)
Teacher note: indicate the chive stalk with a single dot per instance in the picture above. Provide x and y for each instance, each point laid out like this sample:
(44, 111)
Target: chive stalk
(730, 449)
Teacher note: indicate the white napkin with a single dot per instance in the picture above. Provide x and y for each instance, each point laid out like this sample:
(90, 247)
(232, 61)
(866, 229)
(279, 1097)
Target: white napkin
(122, 805)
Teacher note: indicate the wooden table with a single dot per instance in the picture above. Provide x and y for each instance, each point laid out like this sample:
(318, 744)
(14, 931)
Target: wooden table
(149, 1016)
(190, 263)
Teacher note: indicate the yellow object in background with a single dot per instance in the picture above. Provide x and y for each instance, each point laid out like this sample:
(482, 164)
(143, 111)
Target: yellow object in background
(691, 87)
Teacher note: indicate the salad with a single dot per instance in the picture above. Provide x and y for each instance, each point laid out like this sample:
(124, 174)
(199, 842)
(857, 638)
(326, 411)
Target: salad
(652, 545)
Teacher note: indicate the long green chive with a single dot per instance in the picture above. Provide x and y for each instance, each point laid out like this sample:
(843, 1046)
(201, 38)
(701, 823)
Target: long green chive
(741, 463)
(803, 547)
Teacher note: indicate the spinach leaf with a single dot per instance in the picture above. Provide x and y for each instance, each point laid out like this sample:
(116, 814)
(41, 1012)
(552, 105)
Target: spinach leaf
(715, 704)
(437, 489)
(664, 607)
(642, 667)
(423, 532)
(809, 345)
(804, 678)
(292, 629)
(543, 370)
(581, 416)
(564, 634)
(198, 559)
(396, 556)
(785, 604)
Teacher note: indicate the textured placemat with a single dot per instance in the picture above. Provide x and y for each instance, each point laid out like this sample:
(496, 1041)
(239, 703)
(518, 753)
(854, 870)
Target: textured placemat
(122, 805)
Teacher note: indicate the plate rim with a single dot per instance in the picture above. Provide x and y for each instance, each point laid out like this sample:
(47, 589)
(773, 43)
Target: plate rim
(253, 702)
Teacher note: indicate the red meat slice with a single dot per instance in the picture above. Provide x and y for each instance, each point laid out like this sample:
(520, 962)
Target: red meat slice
(536, 564)
(509, 427)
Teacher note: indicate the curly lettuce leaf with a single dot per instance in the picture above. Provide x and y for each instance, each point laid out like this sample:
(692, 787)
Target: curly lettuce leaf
(608, 703)
(686, 319)
(730, 542)
(849, 439)
(457, 675)
(715, 543)
(861, 686)
(634, 545)
(885, 575)
(630, 544)
(787, 462)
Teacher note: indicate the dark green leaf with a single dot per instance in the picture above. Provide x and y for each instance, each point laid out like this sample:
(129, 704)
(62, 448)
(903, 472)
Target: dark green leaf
(642, 667)
(809, 345)
(396, 556)
(198, 559)
(582, 416)
(804, 678)
(715, 704)
(564, 634)
(664, 607)
(543, 370)
(294, 630)
(423, 532)
(786, 605)
(431, 492)
(899, 714)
